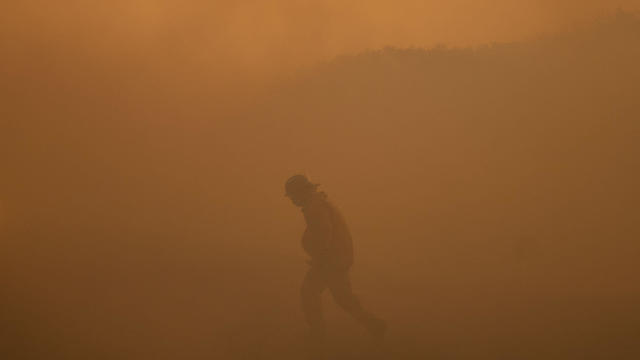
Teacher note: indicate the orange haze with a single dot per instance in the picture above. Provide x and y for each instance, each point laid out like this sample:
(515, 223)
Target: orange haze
(491, 184)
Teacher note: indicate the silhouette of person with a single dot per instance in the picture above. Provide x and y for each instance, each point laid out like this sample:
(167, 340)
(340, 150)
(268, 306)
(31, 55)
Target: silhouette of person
(327, 241)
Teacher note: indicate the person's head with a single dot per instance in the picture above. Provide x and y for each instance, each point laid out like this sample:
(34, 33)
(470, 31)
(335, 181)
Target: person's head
(299, 189)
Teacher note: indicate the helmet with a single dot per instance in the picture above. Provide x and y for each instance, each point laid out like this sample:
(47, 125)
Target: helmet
(298, 184)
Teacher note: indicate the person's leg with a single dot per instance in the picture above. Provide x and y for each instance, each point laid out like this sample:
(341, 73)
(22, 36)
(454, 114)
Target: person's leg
(313, 285)
(339, 284)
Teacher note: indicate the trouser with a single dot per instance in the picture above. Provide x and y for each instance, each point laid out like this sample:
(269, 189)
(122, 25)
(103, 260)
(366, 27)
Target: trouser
(315, 282)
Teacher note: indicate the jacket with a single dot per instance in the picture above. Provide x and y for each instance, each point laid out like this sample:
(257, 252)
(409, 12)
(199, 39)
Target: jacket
(326, 239)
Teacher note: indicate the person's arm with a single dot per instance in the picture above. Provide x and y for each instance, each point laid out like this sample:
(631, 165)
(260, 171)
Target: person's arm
(319, 232)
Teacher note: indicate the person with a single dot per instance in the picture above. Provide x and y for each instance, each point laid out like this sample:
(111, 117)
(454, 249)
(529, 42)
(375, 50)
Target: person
(328, 243)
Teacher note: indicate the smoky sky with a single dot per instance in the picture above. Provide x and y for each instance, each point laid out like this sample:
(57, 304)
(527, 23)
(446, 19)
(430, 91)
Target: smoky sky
(491, 190)
(276, 34)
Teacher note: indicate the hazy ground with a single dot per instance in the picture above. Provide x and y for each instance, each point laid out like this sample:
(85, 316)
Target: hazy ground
(492, 193)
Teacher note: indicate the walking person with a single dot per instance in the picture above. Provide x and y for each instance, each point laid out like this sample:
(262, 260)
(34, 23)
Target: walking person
(328, 243)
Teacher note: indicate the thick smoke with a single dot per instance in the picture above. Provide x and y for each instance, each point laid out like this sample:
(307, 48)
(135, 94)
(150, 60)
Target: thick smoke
(491, 189)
